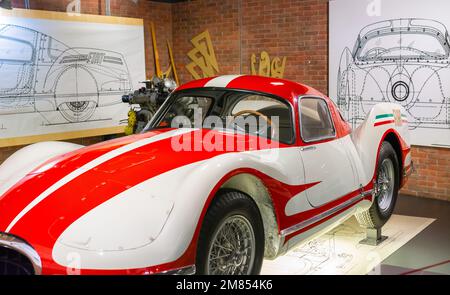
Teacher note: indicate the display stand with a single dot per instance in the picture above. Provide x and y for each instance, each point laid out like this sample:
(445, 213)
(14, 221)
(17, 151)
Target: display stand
(373, 237)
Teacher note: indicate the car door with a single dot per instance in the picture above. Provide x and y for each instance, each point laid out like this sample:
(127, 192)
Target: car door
(324, 155)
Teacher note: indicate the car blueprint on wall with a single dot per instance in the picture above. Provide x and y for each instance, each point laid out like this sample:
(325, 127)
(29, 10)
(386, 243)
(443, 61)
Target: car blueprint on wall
(405, 61)
(42, 74)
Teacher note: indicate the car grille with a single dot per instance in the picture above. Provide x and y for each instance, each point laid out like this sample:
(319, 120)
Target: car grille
(14, 263)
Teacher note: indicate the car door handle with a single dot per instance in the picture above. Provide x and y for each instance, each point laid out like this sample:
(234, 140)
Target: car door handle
(308, 148)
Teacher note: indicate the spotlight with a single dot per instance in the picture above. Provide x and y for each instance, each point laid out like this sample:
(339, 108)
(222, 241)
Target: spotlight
(6, 4)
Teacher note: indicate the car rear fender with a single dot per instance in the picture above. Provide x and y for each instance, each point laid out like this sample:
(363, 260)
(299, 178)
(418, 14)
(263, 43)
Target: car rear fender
(385, 122)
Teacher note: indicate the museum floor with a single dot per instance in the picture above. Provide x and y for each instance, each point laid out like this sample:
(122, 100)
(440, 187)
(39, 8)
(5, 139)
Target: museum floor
(418, 238)
(431, 246)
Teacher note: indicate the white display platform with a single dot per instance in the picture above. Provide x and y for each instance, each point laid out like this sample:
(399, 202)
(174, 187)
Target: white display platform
(339, 251)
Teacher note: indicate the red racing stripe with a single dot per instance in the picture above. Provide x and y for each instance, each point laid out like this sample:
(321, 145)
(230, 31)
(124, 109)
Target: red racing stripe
(37, 181)
(46, 221)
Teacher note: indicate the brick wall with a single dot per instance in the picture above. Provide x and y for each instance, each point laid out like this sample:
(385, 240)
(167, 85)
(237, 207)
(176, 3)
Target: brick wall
(432, 173)
(293, 29)
(297, 29)
(221, 20)
(285, 28)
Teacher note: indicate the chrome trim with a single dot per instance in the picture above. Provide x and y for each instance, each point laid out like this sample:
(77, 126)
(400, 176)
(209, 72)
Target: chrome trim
(314, 219)
(308, 148)
(22, 247)
(186, 270)
(367, 193)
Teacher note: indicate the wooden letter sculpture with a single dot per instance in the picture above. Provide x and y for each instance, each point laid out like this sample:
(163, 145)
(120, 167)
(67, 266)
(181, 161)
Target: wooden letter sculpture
(203, 57)
(266, 68)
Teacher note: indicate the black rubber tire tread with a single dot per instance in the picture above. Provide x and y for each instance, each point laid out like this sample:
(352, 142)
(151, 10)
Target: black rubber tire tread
(372, 217)
(225, 204)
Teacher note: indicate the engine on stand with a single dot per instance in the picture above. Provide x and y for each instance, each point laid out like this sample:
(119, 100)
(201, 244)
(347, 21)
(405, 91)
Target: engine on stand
(146, 101)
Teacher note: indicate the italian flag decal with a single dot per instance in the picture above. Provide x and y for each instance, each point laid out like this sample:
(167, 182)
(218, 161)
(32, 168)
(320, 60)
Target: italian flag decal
(396, 117)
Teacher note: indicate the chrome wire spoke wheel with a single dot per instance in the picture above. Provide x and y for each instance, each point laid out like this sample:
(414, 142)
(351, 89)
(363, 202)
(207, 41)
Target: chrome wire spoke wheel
(385, 185)
(385, 189)
(232, 249)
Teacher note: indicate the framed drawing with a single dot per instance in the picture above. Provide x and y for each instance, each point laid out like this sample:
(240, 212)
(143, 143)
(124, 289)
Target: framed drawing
(393, 51)
(63, 75)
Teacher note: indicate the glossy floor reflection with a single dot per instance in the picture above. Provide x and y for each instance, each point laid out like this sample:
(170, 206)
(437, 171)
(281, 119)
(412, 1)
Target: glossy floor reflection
(418, 244)
(340, 252)
(430, 247)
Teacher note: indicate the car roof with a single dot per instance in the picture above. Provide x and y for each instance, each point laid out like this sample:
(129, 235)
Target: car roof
(282, 88)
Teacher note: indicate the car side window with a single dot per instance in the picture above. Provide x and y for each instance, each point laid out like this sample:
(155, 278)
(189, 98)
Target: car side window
(315, 120)
(186, 106)
(277, 112)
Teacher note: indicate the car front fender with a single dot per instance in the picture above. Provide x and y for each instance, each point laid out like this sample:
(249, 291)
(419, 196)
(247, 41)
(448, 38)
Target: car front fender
(28, 159)
(187, 192)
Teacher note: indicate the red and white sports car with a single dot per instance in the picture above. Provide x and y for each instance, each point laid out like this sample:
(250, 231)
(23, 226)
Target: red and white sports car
(192, 194)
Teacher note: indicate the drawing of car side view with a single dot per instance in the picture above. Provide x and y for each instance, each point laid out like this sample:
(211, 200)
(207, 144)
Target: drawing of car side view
(405, 61)
(42, 74)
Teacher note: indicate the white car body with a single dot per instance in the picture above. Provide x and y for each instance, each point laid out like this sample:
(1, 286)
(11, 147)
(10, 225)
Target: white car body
(132, 205)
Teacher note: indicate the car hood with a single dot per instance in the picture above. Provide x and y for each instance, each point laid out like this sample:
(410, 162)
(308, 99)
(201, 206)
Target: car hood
(64, 182)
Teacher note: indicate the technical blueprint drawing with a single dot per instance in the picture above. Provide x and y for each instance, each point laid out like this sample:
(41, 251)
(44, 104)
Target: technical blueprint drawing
(68, 74)
(392, 51)
(41, 74)
(405, 61)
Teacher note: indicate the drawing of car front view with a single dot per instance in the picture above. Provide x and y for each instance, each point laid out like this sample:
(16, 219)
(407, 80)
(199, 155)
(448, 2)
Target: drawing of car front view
(405, 61)
(41, 74)
(141, 204)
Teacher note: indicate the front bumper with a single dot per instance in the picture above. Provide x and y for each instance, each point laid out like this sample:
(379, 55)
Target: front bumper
(20, 246)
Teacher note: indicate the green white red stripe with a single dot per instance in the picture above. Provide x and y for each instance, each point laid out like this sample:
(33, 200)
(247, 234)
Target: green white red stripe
(383, 119)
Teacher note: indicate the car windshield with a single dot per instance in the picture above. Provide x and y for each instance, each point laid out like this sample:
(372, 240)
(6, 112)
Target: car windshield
(241, 111)
(398, 46)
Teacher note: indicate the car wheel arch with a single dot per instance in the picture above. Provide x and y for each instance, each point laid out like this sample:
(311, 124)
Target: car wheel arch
(231, 177)
(393, 139)
(254, 187)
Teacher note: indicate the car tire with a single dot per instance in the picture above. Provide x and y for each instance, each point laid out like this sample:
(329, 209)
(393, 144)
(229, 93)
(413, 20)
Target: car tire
(386, 189)
(231, 239)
